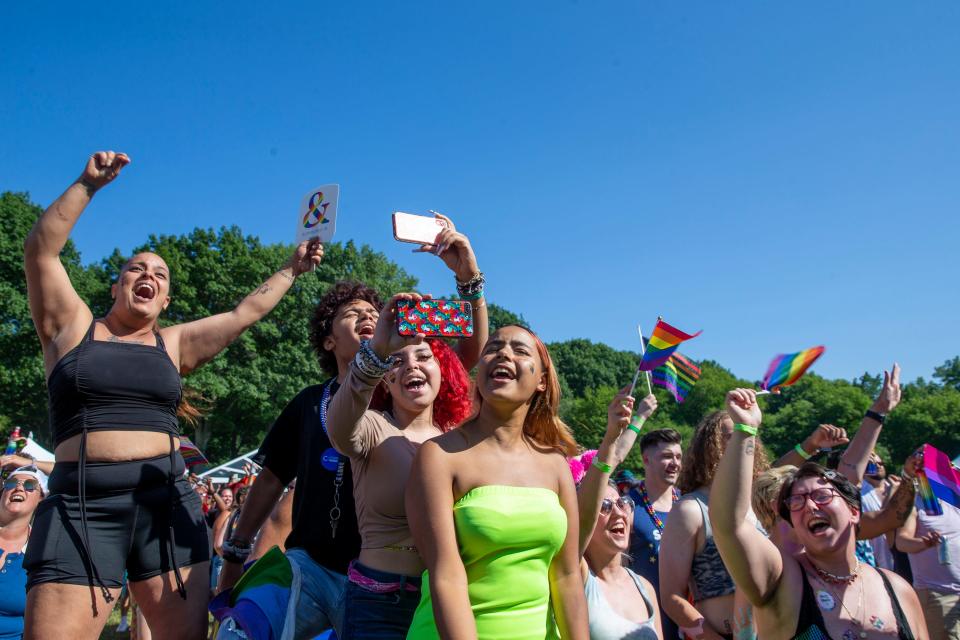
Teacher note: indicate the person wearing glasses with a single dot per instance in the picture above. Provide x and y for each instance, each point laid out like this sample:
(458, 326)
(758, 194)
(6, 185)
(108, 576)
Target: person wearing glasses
(22, 491)
(822, 591)
(620, 603)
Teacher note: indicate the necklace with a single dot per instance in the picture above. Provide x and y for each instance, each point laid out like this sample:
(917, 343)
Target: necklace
(335, 511)
(833, 578)
(857, 630)
(657, 522)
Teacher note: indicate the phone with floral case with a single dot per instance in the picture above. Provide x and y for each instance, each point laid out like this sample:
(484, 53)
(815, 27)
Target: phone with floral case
(437, 318)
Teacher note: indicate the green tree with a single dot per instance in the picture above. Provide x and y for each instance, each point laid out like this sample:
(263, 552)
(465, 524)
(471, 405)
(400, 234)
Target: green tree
(949, 373)
(23, 391)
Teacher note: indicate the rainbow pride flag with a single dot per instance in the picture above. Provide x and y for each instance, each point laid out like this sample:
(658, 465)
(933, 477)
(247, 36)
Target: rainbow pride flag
(787, 368)
(192, 455)
(939, 481)
(677, 375)
(662, 344)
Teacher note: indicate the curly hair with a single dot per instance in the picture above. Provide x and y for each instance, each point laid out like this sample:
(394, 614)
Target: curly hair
(343, 292)
(701, 458)
(542, 423)
(453, 403)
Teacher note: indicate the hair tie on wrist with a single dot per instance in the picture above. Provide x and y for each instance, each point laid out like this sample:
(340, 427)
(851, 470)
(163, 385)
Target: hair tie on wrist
(747, 429)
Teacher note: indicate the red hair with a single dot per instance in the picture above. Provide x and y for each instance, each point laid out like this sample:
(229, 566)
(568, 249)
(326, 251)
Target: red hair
(453, 403)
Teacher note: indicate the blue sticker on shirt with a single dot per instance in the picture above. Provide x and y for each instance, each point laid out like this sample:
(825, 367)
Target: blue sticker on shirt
(330, 459)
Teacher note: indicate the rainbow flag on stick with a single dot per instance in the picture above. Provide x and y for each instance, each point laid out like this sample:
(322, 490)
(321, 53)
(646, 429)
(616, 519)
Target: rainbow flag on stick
(939, 481)
(787, 368)
(677, 375)
(662, 344)
(192, 455)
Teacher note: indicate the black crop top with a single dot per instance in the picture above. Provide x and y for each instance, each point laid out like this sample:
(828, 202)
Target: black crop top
(120, 386)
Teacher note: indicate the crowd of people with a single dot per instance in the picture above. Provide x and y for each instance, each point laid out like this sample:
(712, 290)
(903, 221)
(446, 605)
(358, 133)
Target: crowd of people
(402, 499)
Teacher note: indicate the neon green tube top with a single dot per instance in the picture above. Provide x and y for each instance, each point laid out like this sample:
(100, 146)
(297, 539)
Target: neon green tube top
(507, 538)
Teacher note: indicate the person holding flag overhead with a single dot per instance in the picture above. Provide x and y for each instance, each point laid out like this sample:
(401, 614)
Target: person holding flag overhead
(822, 591)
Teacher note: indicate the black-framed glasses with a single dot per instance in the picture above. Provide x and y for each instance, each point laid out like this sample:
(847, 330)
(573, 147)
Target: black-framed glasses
(28, 485)
(624, 503)
(821, 496)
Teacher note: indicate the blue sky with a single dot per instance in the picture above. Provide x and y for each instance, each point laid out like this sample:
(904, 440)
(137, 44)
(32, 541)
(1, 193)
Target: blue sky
(778, 175)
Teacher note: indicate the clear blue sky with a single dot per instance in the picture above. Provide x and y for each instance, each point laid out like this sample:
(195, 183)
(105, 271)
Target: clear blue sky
(780, 175)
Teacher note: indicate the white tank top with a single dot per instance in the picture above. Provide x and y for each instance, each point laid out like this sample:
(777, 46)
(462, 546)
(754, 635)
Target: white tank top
(607, 624)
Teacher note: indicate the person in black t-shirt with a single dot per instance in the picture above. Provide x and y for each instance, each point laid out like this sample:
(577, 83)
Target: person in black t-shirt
(324, 537)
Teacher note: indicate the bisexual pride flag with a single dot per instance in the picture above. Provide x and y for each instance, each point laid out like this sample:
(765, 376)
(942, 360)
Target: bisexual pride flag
(939, 481)
(662, 344)
(787, 368)
(677, 375)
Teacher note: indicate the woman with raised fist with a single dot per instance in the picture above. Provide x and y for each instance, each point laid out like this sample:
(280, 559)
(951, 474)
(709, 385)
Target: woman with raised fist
(118, 497)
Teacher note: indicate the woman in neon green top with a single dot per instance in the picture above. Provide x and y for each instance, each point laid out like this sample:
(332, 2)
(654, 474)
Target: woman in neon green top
(493, 509)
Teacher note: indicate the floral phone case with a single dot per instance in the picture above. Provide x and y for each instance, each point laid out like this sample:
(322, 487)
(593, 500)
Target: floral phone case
(444, 318)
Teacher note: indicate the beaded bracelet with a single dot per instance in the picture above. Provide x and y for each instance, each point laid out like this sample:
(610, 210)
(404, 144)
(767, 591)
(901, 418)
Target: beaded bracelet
(369, 363)
(802, 452)
(603, 466)
(472, 289)
(747, 429)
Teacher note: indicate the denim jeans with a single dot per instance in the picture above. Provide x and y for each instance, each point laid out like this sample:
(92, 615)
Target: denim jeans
(320, 602)
(370, 615)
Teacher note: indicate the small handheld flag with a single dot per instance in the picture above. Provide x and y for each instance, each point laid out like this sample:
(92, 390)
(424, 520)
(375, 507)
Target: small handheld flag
(939, 481)
(677, 375)
(192, 456)
(662, 344)
(788, 367)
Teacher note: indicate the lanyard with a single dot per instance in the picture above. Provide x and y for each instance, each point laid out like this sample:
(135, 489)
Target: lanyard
(335, 511)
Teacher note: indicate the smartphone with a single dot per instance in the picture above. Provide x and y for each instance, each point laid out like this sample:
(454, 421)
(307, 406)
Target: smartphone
(419, 229)
(442, 318)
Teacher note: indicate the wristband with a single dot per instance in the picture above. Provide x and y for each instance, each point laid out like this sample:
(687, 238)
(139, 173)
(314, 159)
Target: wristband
(873, 415)
(747, 429)
(236, 551)
(802, 452)
(472, 289)
(603, 466)
(636, 424)
(369, 363)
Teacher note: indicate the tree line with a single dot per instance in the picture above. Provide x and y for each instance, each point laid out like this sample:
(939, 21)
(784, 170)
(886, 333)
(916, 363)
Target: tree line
(243, 389)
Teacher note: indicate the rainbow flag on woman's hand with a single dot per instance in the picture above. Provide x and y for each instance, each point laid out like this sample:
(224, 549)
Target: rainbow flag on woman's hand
(662, 344)
(787, 368)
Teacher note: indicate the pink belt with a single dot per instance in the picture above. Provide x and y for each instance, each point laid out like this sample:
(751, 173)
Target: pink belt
(368, 583)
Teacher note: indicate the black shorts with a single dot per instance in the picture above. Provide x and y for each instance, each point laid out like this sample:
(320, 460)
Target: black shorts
(130, 507)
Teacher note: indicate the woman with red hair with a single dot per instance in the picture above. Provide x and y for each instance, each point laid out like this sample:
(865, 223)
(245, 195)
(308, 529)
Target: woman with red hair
(398, 393)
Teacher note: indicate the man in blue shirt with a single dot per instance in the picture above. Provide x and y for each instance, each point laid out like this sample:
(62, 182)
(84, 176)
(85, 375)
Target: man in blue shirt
(654, 497)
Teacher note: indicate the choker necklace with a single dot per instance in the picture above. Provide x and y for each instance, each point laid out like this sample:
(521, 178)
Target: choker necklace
(833, 578)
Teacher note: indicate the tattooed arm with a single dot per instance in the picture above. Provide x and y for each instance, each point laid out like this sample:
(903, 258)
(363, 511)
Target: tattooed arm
(193, 343)
(894, 514)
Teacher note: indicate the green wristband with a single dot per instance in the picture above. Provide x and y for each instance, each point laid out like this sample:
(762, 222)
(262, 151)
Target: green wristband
(603, 466)
(747, 429)
(801, 452)
(636, 424)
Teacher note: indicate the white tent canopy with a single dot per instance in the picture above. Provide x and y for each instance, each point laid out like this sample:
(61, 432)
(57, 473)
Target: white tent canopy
(222, 473)
(38, 452)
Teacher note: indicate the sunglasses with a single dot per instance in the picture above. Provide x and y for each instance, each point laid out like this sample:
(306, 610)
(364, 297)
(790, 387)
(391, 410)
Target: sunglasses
(624, 504)
(821, 497)
(28, 485)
